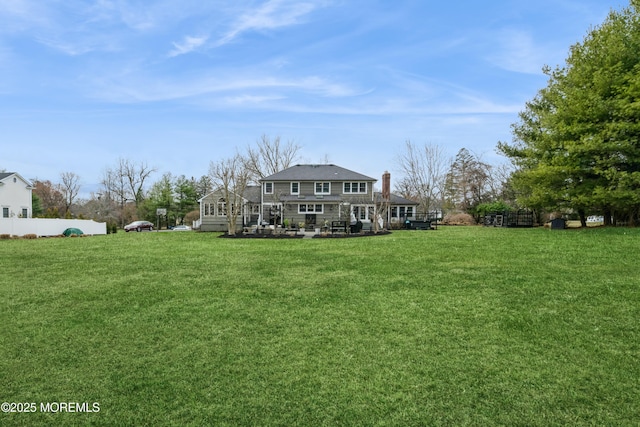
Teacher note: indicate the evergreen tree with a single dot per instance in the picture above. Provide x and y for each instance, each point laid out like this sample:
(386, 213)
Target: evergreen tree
(577, 144)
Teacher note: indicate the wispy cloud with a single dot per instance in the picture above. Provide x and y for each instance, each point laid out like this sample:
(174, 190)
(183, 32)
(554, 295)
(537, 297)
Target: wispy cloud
(271, 15)
(18, 16)
(248, 100)
(188, 44)
(136, 88)
(516, 50)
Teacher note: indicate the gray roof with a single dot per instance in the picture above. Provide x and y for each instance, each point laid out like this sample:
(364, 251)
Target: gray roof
(3, 175)
(394, 199)
(317, 173)
(252, 193)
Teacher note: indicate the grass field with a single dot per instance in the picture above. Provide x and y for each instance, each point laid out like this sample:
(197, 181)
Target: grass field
(459, 326)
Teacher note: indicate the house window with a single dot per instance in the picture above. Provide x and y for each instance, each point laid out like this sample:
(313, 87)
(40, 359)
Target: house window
(25, 213)
(355, 188)
(402, 212)
(295, 188)
(310, 208)
(221, 207)
(362, 212)
(271, 210)
(268, 188)
(323, 188)
(5, 212)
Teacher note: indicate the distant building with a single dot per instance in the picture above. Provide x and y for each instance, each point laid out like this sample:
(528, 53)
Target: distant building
(313, 194)
(15, 196)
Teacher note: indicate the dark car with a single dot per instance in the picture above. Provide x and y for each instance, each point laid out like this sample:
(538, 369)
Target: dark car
(139, 226)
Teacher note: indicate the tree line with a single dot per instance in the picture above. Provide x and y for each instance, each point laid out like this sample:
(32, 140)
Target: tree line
(463, 184)
(126, 193)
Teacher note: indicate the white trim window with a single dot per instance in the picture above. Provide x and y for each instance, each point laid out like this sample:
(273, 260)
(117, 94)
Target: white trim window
(221, 208)
(295, 188)
(354, 188)
(268, 188)
(402, 212)
(322, 188)
(362, 212)
(304, 208)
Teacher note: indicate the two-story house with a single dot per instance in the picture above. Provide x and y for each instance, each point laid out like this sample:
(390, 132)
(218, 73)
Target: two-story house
(311, 194)
(15, 196)
(315, 194)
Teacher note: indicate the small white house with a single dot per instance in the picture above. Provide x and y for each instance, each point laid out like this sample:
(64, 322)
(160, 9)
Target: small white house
(15, 196)
(16, 212)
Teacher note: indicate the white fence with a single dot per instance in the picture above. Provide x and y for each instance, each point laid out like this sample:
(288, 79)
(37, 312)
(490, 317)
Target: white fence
(49, 226)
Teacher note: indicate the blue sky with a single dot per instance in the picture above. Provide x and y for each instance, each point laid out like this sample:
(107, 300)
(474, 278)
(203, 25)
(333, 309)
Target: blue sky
(178, 84)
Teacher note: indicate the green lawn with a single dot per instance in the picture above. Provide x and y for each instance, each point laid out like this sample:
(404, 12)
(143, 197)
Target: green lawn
(459, 326)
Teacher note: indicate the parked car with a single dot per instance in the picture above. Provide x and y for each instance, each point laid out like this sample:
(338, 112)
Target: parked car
(181, 228)
(139, 226)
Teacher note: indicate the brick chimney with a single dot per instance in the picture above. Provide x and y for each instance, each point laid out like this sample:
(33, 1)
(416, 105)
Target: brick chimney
(386, 185)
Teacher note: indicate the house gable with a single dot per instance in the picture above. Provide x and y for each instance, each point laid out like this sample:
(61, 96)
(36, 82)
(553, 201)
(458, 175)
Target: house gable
(15, 196)
(213, 209)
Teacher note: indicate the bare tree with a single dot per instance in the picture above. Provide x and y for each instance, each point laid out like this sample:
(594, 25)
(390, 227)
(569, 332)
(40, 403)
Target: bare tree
(70, 188)
(203, 186)
(127, 180)
(424, 171)
(114, 186)
(136, 175)
(499, 177)
(270, 156)
(468, 181)
(231, 176)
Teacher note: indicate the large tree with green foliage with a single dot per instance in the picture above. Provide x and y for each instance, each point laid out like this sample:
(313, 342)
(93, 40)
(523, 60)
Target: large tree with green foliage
(577, 144)
(186, 196)
(160, 195)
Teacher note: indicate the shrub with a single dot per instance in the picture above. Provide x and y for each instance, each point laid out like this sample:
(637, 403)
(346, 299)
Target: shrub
(30, 236)
(5, 236)
(485, 208)
(458, 219)
(396, 225)
(192, 216)
(112, 227)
